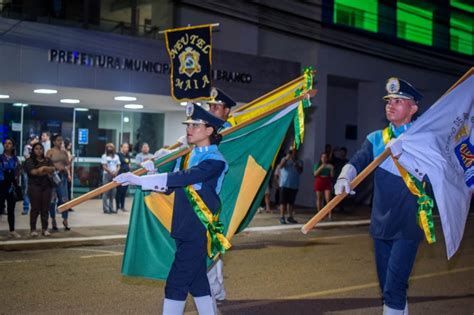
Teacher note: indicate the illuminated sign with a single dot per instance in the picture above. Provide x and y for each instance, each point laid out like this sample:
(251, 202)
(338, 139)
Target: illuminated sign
(83, 136)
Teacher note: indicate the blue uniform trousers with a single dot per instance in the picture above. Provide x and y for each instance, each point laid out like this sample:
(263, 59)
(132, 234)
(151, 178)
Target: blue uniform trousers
(394, 260)
(188, 273)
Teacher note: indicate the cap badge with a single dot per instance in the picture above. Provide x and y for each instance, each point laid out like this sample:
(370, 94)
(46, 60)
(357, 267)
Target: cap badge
(214, 93)
(189, 109)
(393, 86)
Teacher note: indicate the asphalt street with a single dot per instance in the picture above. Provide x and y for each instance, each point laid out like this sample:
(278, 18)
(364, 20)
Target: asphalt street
(328, 271)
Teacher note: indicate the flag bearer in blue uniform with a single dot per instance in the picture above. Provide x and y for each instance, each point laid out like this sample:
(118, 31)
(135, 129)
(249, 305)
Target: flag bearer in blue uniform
(220, 106)
(196, 181)
(393, 226)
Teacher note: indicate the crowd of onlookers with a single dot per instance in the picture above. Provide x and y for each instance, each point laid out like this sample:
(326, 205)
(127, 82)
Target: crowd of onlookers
(45, 177)
(286, 180)
(115, 163)
(43, 180)
(46, 180)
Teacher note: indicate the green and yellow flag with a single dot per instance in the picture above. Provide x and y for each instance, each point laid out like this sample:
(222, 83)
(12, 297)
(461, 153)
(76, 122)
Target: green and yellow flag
(250, 152)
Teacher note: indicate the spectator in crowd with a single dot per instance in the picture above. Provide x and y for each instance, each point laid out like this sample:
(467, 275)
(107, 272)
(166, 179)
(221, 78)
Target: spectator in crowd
(329, 152)
(39, 170)
(290, 169)
(323, 174)
(144, 154)
(110, 166)
(24, 177)
(45, 140)
(124, 156)
(339, 161)
(68, 149)
(60, 160)
(9, 176)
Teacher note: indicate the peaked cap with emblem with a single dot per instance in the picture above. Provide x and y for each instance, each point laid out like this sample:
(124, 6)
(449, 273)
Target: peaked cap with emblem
(398, 88)
(197, 115)
(219, 97)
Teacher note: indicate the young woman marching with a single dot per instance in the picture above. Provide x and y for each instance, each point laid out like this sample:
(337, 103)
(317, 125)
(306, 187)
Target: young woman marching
(196, 181)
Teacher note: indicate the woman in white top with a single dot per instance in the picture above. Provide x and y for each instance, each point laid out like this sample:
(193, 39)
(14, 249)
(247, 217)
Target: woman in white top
(110, 166)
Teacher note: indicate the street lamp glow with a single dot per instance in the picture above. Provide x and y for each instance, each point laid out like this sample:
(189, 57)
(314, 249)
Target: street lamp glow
(70, 101)
(126, 119)
(183, 103)
(45, 91)
(125, 98)
(4, 96)
(81, 109)
(20, 104)
(133, 106)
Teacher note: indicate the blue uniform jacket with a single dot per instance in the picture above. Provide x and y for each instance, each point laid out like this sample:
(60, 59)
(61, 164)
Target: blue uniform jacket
(206, 169)
(394, 207)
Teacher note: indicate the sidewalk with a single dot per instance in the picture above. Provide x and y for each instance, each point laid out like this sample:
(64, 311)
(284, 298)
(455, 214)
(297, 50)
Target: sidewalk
(89, 225)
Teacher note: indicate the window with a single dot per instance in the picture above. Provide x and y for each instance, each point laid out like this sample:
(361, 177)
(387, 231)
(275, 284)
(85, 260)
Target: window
(10, 124)
(415, 23)
(358, 14)
(461, 33)
(465, 5)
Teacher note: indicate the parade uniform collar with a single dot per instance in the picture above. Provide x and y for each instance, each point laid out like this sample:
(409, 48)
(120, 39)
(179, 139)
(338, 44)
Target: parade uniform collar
(208, 148)
(397, 131)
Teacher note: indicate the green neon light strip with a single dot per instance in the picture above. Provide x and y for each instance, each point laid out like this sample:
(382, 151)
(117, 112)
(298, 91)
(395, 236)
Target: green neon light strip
(358, 14)
(461, 33)
(462, 5)
(414, 23)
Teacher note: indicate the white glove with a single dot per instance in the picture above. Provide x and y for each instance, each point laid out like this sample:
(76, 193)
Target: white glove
(128, 179)
(183, 140)
(343, 183)
(161, 153)
(396, 147)
(149, 165)
(156, 182)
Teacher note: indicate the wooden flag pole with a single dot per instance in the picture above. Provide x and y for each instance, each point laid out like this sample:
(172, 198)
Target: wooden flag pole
(189, 26)
(141, 171)
(102, 189)
(338, 198)
(369, 169)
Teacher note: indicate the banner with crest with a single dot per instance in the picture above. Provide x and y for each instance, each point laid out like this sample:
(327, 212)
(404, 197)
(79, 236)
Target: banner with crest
(190, 52)
(440, 145)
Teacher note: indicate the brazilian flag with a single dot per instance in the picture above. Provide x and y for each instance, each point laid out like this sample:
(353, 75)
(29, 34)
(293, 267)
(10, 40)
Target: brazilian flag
(250, 152)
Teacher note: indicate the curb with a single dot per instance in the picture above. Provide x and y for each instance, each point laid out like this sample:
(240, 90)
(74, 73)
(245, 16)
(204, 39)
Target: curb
(47, 243)
(299, 226)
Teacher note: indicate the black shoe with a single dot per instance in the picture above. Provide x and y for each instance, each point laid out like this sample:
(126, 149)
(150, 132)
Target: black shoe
(282, 220)
(55, 228)
(66, 226)
(291, 220)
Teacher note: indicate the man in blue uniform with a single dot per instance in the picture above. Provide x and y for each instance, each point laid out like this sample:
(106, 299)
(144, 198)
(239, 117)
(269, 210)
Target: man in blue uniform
(393, 226)
(220, 106)
(196, 182)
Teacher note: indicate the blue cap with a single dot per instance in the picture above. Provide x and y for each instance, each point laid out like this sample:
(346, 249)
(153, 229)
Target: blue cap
(219, 97)
(198, 115)
(398, 88)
